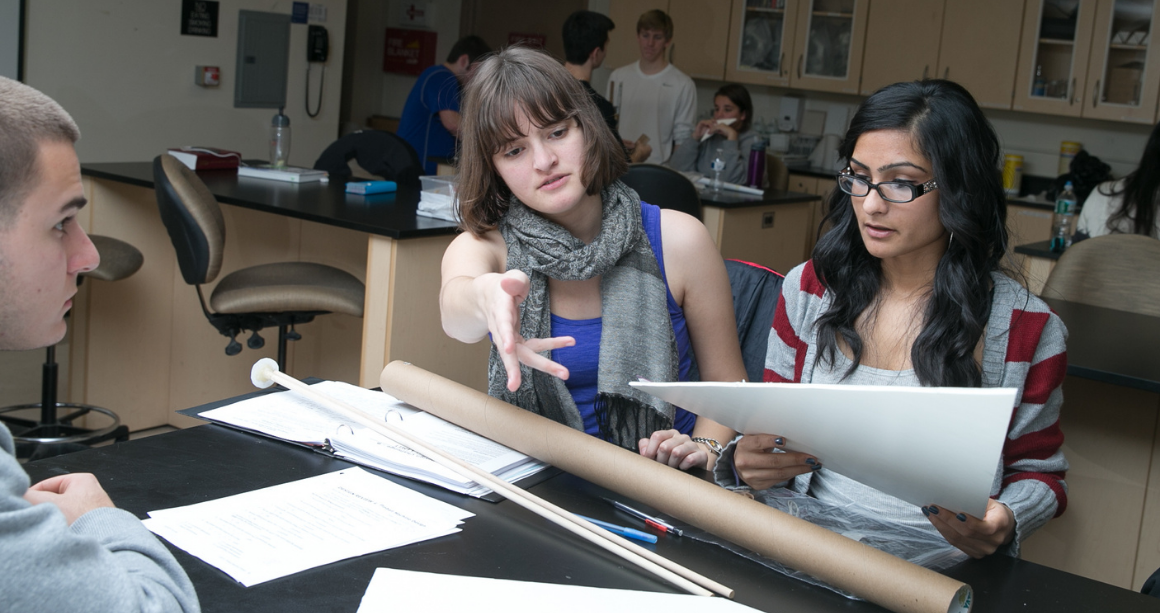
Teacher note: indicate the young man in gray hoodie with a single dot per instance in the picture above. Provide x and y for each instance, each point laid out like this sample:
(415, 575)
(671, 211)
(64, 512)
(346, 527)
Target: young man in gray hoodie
(63, 545)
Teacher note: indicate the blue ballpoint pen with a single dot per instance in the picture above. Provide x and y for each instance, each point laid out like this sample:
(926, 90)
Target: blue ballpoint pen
(622, 531)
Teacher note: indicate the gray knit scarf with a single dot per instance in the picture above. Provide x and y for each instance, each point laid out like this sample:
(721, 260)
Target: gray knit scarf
(636, 334)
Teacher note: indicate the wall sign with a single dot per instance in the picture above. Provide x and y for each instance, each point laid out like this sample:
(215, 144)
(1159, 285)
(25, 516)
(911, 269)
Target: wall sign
(409, 52)
(199, 18)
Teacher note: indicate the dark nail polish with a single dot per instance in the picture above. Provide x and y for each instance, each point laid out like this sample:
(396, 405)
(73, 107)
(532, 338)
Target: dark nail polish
(961, 517)
(933, 510)
(779, 441)
(811, 461)
(816, 467)
(925, 511)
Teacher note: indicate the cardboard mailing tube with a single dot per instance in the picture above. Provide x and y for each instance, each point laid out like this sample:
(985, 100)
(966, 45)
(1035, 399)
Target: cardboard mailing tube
(860, 569)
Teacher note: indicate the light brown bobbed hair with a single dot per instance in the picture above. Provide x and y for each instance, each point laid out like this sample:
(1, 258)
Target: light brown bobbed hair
(506, 85)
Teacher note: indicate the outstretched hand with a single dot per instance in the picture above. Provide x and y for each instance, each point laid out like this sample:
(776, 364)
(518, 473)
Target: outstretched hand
(74, 494)
(503, 321)
(762, 461)
(975, 537)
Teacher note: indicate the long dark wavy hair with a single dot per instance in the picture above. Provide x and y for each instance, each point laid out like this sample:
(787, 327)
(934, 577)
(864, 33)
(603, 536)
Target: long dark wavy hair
(1141, 189)
(950, 130)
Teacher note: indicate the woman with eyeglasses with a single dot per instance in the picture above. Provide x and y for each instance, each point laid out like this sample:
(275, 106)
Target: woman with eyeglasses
(907, 288)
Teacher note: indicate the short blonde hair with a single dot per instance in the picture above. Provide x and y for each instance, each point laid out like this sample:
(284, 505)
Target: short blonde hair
(515, 81)
(656, 19)
(27, 119)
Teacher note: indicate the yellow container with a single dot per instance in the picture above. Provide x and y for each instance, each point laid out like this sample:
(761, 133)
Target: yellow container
(1067, 151)
(1012, 173)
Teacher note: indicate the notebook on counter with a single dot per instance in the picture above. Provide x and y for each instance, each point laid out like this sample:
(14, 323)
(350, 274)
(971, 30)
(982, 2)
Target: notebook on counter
(290, 174)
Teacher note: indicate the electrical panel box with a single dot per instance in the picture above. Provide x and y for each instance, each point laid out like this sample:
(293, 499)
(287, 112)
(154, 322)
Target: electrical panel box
(263, 60)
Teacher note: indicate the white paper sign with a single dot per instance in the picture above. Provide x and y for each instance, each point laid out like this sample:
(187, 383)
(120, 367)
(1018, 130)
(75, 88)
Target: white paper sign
(925, 445)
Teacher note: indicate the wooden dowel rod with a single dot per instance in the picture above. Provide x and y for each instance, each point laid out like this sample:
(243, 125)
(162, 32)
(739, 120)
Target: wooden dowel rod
(686, 579)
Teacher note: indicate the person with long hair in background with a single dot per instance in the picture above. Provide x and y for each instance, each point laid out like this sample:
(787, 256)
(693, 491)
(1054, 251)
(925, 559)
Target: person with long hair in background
(1127, 206)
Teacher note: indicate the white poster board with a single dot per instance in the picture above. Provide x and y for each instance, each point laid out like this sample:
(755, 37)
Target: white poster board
(925, 445)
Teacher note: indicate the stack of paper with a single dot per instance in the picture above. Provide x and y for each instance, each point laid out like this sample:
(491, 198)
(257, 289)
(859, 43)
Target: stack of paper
(289, 416)
(285, 529)
(290, 174)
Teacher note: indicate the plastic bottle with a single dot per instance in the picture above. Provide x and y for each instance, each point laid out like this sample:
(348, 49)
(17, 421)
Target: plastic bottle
(756, 176)
(1063, 222)
(718, 166)
(1039, 87)
(279, 140)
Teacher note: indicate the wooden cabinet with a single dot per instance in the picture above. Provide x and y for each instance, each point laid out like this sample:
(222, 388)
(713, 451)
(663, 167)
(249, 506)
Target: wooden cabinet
(807, 44)
(885, 61)
(700, 37)
(1089, 58)
(980, 48)
(773, 235)
(1124, 67)
(761, 41)
(1053, 56)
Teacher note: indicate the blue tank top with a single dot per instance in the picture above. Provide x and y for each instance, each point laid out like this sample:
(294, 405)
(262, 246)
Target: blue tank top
(583, 359)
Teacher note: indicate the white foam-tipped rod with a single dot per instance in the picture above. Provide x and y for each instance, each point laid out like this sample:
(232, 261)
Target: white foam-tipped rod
(262, 374)
(674, 573)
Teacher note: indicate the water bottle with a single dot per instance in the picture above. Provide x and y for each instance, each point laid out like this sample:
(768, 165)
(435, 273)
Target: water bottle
(756, 164)
(718, 166)
(279, 140)
(1063, 222)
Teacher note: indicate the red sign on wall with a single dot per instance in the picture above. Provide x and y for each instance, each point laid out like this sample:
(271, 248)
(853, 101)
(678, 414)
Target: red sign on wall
(409, 52)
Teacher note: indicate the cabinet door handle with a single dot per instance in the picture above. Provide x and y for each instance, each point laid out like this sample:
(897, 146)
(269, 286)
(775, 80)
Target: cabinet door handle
(781, 64)
(947, 73)
(801, 60)
(1071, 93)
(924, 71)
(1096, 95)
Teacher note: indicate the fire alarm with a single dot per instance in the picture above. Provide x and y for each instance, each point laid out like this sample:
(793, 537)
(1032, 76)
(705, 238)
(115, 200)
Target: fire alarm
(207, 76)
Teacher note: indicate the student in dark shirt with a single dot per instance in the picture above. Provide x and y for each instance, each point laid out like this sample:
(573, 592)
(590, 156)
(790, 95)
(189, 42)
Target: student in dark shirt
(585, 41)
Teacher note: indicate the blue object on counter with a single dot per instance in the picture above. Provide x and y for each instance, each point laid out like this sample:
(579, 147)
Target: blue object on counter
(621, 530)
(370, 187)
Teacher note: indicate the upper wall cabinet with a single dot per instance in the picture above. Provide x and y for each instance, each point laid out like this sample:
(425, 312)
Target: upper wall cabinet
(1124, 69)
(809, 44)
(885, 61)
(980, 48)
(1053, 57)
(701, 37)
(761, 42)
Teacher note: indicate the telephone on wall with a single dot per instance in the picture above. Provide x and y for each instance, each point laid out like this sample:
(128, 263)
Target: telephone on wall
(318, 44)
(317, 50)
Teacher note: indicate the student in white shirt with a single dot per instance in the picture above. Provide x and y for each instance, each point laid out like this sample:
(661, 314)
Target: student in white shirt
(655, 98)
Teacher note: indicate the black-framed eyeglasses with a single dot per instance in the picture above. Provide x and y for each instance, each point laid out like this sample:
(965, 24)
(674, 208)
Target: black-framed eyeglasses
(898, 192)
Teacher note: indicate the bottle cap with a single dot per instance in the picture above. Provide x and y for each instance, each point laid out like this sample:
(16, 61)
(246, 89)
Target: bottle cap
(280, 120)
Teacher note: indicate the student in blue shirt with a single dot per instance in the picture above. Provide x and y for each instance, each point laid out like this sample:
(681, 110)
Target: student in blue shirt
(430, 121)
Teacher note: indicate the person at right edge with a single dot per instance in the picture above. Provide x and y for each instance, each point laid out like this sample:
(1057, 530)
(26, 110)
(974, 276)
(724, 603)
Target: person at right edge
(1127, 206)
(63, 545)
(907, 289)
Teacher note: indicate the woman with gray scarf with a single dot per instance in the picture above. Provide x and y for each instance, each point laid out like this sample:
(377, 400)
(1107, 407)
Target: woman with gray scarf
(581, 287)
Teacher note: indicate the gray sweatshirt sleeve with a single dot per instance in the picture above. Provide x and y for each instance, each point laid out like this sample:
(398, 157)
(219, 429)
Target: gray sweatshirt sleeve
(684, 157)
(692, 155)
(106, 561)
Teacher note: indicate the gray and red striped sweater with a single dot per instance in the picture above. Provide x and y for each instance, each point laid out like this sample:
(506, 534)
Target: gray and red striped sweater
(1023, 348)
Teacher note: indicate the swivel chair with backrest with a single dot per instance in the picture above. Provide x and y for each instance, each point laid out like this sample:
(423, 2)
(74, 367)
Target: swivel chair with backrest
(1115, 271)
(282, 294)
(52, 433)
(756, 290)
(664, 187)
(380, 153)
